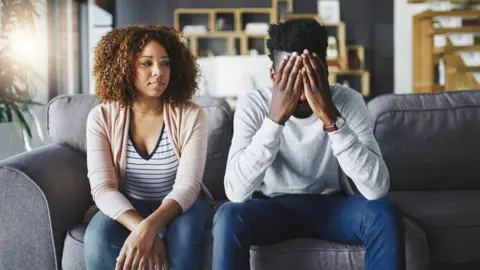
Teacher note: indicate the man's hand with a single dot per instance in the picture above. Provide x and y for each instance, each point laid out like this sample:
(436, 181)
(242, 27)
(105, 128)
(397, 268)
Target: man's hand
(137, 247)
(286, 90)
(317, 88)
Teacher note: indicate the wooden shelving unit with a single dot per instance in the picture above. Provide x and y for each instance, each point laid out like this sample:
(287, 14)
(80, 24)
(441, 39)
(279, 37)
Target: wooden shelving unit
(426, 57)
(235, 33)
(276, 8)
(458, 75)
(363, 74)
(238, 41)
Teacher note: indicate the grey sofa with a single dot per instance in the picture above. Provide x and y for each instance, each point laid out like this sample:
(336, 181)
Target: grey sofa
(44, 193)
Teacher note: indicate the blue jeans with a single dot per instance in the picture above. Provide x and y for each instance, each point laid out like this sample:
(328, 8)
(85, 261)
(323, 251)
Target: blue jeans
(342, 219)
(184, 237)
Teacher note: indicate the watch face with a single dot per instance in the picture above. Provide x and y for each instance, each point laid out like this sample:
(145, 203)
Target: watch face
(340, 122)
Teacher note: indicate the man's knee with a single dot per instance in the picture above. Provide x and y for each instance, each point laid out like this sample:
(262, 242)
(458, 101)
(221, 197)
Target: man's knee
(383, 211)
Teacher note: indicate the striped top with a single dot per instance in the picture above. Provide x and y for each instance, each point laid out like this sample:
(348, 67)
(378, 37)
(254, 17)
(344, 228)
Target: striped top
(151, 177)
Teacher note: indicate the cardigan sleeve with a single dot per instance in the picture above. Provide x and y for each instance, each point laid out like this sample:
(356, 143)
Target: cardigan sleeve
(193, 141)
(101, 170)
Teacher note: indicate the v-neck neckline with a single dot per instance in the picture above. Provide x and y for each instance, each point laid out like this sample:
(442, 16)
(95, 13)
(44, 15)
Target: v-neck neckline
(147, 156)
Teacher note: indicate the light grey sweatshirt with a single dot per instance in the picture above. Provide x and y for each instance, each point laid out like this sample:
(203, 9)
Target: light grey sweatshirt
(299, 157)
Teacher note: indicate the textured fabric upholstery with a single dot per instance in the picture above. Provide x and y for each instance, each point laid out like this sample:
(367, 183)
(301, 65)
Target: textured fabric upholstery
(42, 193)
(450, 218)
(430, 144)
(429, 141)
(67, 119)
(294, 254)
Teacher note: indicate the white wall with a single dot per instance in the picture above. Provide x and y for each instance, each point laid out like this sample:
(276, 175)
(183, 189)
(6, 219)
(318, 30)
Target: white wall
(403, 44)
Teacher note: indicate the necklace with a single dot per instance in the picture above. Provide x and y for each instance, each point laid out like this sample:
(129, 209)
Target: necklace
(142, 113)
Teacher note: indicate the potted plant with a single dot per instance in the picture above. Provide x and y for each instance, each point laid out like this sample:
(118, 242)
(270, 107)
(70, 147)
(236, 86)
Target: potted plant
(17, 17)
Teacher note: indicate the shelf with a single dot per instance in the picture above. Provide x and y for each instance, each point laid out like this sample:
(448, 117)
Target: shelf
(193, 11)
(356, 57)
(426, 58)
(220, 34)
(195, 17)
(347, 72)
(364, 77)
(454, 49)
(448, 13)
(255, 10)
(281, 7)
(458, 76)
(313, 16)
(255, 15)
(256, 35)
(451, 30)
(475, 69)
(231, 17)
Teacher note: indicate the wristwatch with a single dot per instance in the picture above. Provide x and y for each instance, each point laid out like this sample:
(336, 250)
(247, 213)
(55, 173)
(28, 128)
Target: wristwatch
(338, 124)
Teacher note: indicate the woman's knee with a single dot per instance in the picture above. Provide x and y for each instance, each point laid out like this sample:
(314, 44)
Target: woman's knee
(228, 216)
(186, 236)
(103, 234)
(191, 225)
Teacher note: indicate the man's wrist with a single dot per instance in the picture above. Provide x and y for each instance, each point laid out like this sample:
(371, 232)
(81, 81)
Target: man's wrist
(276, 119)
(329, 117)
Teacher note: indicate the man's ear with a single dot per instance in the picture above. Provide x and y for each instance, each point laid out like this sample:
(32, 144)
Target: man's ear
(272, 74)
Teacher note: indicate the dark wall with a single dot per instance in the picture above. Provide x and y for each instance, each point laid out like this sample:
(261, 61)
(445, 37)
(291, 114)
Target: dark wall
(368, 23)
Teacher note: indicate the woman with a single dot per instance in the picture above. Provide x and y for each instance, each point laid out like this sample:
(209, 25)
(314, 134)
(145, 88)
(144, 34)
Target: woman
(146, 151)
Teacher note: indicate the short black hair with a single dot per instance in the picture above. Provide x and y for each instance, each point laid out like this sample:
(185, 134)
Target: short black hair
(295, 36)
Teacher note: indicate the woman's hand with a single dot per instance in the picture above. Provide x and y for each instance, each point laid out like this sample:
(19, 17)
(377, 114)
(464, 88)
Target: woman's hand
(158, 255)
(137, 248)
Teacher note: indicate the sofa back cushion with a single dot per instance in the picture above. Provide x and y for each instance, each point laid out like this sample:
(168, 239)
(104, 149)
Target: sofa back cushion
(67, 117)
(429, 141)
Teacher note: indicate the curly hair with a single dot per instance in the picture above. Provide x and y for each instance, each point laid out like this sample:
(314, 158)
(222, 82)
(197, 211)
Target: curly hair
(295, 36)
(116, 54)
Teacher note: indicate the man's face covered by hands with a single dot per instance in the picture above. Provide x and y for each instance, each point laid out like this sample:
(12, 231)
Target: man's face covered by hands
(302, 110)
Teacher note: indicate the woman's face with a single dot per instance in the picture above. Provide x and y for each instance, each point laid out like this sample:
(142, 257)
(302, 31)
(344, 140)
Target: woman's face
(153, 70)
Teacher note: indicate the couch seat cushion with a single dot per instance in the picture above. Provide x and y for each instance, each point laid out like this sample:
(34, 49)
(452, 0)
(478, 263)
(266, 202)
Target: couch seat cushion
(294, 254)
(451, 220)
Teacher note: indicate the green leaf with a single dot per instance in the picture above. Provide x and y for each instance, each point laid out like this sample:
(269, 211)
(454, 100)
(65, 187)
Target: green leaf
(8, 112)
(3, 117)
(21, 120)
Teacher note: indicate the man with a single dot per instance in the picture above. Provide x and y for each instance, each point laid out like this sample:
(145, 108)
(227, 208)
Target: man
(291, 148)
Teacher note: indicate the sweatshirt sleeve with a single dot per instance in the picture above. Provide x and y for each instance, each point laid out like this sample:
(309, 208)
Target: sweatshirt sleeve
(101, 171)
(255, 144)
(358, 152)
(192, 161)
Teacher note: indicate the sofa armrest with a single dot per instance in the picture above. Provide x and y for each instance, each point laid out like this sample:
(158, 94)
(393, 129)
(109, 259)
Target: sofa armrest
(43, 193)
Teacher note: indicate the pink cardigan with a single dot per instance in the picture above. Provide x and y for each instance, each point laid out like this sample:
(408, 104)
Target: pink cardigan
(107, 135)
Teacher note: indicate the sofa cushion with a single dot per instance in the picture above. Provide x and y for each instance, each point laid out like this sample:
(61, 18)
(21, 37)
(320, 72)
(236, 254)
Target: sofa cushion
(67, 119)
(294, 254)
(451, 220)
(67, 116)
(73, 254)
(429, 141)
